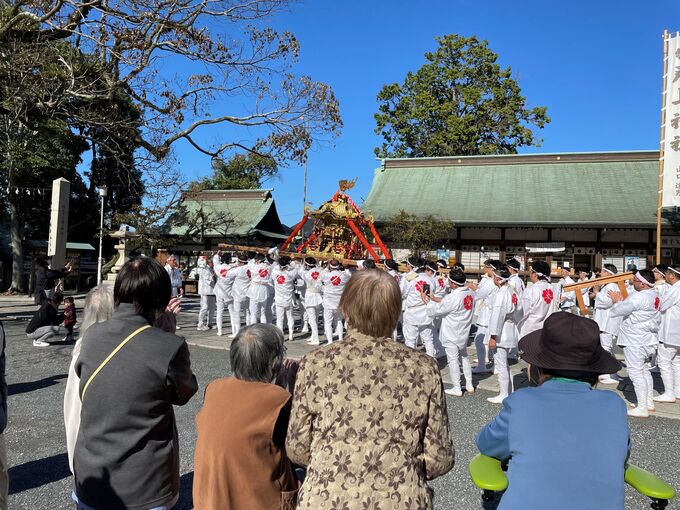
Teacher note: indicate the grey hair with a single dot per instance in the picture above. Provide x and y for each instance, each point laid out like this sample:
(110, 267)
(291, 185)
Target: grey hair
(98, 307)
(256, 353)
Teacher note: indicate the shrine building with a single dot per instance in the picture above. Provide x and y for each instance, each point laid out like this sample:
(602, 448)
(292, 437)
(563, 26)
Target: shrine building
(579, 210)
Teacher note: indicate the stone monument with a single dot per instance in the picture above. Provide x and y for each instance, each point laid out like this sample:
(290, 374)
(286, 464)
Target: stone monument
(56, 246)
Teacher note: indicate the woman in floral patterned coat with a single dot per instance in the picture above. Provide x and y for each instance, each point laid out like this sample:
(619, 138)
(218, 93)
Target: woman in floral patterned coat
(369, 416)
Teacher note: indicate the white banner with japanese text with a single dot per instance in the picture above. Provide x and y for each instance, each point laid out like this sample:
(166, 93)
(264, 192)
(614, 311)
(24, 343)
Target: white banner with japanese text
(671, 166)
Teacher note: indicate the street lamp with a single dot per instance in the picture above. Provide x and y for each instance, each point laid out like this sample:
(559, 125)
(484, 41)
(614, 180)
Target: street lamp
(103, 191)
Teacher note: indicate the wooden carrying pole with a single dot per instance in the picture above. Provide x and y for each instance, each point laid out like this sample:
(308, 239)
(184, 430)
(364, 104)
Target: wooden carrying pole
(619, 279)
(661, 151)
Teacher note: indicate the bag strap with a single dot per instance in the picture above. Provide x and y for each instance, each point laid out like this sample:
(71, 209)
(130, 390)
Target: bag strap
(108, 358)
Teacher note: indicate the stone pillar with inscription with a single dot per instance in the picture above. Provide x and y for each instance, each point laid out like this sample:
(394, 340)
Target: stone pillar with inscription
(56, 246)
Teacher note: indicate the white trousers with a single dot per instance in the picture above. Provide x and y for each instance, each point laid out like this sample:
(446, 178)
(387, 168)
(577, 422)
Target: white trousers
(500, 359)
(637, 363)
(436, 327)
(206, 314)
(285, 313)
(240, 304)
(258, 312)
(223, 302)
(332, 322)
(412, 330)
(668, 360)
(455, 356)
(481, 345)
(313, 319)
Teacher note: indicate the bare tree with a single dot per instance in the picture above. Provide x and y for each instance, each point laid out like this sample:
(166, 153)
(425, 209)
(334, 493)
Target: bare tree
(186, 65)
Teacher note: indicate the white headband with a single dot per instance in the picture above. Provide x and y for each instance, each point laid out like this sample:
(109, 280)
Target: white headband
(503, 280)
(643, 279)
(657, 271)
(674, 270)
(408, 262)
(454, 281)
(428, 266)
(610, 272)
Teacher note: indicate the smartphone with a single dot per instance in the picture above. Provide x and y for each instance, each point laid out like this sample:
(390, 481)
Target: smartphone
(426, 289)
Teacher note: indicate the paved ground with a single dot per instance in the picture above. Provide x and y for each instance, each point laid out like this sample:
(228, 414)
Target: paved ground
(39, 475)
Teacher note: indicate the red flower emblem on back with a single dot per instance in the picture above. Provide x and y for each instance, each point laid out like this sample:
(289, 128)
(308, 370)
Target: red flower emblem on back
(441, 282)
(548, 296)
(263, 273)
(467, 302)
(514, 298)
(223, 272)
(280, 279)
(419, 285)
(248, 273)
(315, 275)
(335, 280)
(657, 304)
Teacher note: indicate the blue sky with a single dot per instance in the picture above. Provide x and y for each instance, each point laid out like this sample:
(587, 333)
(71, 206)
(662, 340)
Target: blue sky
(596, 66)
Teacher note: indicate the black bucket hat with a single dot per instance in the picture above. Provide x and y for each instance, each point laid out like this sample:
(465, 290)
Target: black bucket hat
(568, 342)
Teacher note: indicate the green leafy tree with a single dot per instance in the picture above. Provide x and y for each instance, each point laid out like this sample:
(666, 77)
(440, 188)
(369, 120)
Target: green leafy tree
(460, 102)
(241, 171)
(415, 233)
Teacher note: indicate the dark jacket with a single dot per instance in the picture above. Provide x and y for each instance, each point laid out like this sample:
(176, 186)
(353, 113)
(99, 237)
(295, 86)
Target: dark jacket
(127, 451)
(45, 279)
(46, 315)
(3, 383)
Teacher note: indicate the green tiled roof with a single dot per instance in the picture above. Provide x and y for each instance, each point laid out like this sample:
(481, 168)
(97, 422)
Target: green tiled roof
(235, 213)
(596, 189)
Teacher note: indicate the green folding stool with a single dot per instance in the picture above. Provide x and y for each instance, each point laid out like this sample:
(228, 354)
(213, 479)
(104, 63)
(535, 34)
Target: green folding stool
(487, 474)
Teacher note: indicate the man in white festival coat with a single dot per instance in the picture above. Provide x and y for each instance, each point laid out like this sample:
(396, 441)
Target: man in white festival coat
(284, 275)
(313, 297)
(609, 326)
(416, 322)
(502, 331)
(334, 279)
(668, 357)
(224, 270)
(484, 292)
(638, 336)
(239, 291)
(258, 291)
(537, 300)
(455, 310)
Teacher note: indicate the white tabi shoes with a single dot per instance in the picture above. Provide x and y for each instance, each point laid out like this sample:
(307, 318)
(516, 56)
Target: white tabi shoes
(455, 392)
(666, 399)
(638, 413)
(498, 399)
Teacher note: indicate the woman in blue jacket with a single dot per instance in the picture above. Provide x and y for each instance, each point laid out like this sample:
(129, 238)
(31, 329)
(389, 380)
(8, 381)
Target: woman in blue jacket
(566, 442)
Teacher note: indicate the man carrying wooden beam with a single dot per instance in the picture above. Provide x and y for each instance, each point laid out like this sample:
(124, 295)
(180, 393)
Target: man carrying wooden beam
(609, 326)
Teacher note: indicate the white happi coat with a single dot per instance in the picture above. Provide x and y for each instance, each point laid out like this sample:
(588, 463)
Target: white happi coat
(395, 274)
(241, 282)
(669, 332)
(501, 317)
(334, 282)
(313, 287)
(456, 311)
(225, 280)
(570, 297)
(537, 305)
(441, 285)
(603, 306)
(517, 283)
(260, 281)
(487, 288)
(284, 284)
(206, 281)
(640, 319)
(585, 293)
(414, 309)
(661, 288)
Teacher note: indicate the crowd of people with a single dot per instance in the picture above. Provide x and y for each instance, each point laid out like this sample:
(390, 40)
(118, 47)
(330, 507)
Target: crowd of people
(441, 309)
(363, 421)
(360, 424)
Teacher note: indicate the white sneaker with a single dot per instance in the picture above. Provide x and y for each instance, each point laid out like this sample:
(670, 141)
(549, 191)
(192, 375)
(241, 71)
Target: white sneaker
(38, 343)
(219, 332)
(668, 399)
(456, 392)
(304, 330)
(177, 327)
(470, 388)
(639, 413)
(498, 399)
(202, 328)
(607, 380)
(314, 342)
